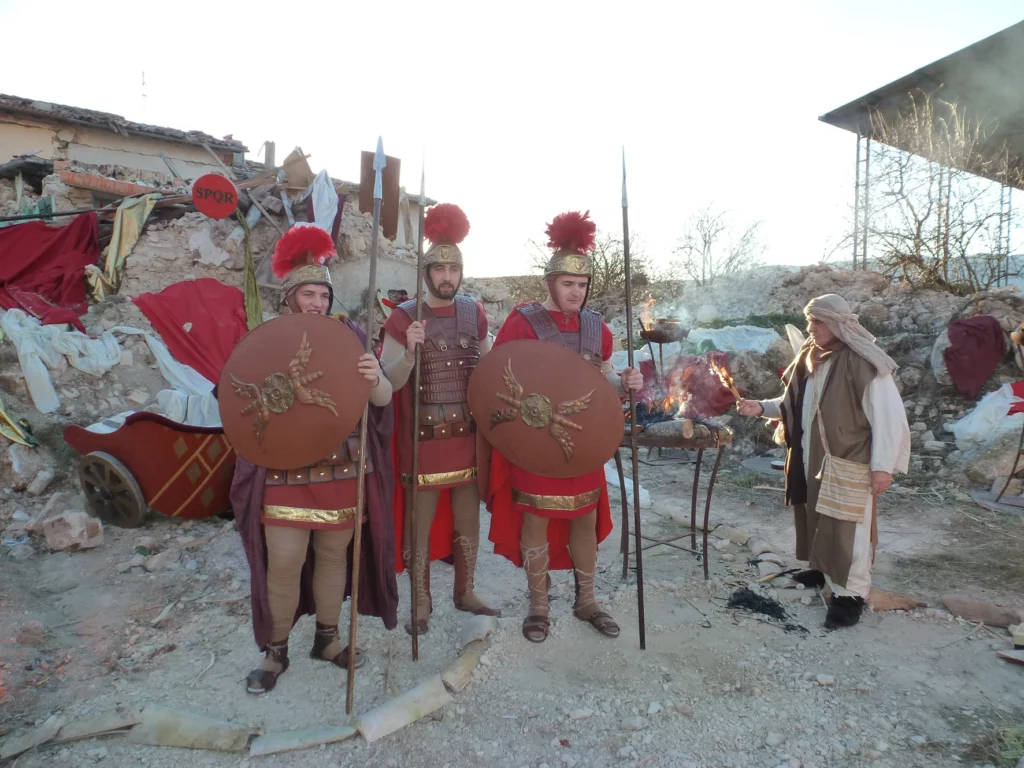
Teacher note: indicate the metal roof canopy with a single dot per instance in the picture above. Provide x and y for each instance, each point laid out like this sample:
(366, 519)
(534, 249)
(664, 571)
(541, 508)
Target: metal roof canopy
(986, 79)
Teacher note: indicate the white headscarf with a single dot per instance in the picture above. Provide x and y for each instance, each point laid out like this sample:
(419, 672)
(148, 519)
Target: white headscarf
(834, 311)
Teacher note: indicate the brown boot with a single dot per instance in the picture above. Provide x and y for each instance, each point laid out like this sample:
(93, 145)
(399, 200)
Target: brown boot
(327, 647)
(420, 591)
(274, 664)
(465, 569)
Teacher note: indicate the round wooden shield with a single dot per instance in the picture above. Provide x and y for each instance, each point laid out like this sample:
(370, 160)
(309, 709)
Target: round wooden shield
(215, 196)
(291, 392)
(545, 408)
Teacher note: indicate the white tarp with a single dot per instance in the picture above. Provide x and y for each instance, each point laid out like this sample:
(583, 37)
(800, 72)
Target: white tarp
(988, 420)
(735, 338)
(611, 475)
(42, 348)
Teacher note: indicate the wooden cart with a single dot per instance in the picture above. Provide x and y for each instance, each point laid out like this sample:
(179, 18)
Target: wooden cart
(131, 464)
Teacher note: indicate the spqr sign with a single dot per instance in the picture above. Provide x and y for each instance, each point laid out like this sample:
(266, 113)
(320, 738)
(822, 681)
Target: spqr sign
(215, 196)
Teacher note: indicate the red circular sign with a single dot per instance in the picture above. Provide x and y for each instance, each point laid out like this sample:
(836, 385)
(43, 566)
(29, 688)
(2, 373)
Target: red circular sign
(215, 196)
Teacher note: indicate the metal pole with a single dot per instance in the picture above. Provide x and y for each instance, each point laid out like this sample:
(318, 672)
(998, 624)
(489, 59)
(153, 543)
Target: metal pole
(867, 199)
(856, 205)
(357, 536)
(415, 481)
(632, 416)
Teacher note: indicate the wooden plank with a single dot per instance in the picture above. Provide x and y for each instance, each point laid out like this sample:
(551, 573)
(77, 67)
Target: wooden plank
(390, 188)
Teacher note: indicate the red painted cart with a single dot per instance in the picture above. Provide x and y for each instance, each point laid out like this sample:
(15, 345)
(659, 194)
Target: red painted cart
(149, 462)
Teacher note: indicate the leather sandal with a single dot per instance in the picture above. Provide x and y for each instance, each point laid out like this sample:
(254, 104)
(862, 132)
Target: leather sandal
(535, 628)
(261, 681)
(601, 621)
(325, 635)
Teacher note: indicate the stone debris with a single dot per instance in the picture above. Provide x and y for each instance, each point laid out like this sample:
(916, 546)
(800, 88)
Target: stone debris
(72, 530)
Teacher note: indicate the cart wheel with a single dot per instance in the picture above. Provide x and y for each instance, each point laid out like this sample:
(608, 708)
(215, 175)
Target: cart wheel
(113, 495)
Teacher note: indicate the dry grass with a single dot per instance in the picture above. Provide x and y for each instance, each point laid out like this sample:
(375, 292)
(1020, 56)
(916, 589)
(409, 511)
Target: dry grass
(987, 554)
(1003, 747)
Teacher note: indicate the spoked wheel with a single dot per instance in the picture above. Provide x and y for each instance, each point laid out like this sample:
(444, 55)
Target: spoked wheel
(113, 495)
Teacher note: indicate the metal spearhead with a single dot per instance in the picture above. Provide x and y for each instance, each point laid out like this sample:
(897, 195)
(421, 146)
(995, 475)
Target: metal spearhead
(625, 202)
(379, 163)
(423, 181)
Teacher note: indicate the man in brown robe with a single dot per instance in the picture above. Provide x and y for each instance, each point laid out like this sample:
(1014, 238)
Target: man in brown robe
(840, 393)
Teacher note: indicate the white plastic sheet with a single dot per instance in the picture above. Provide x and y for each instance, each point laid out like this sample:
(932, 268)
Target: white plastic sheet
(611, 475)
(42, 348)
(988, 420)
(735, 338)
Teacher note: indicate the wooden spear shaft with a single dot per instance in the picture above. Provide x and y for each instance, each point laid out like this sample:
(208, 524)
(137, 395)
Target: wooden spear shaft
(357, 535)
(414, 493)
(632, 414)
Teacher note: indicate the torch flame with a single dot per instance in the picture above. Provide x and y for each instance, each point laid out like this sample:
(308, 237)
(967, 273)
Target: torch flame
(726, 379)
(647, 314)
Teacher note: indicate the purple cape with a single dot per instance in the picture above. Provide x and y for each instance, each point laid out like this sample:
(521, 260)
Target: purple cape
(378, 585)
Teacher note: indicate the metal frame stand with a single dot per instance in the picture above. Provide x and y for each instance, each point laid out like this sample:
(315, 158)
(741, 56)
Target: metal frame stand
(670, 542)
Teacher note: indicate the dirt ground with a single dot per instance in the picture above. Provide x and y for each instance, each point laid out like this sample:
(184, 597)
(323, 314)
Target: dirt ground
(713, 689)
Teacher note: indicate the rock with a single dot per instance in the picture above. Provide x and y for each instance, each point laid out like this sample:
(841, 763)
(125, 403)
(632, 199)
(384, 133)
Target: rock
(757, 545)
(920, 426)
(578, 714)
(934, 448)
(635, 723)
(25, 463)
(881, 746)
(138, 397)
(148, 543)
(21, 517)
(100, 753)
(163, 560)
(771, 557)
(31, 633)
(928, 436)
(719, 544)
(193, 565)
(824, 680)
(773, 740)
(655, 706)
(21, 552)
(954, 458)
(684, 709)
(767, 568)
(627, 751)
(124, 567)
(976, 610)
(40, 483)
(737, 537)
(985, 463)
(72, 530)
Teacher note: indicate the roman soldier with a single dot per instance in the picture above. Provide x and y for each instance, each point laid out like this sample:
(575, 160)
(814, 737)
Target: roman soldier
(453, 335)
(297, 525)
(543, 523)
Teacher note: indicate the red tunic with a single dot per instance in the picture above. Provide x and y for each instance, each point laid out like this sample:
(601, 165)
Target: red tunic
(330, 497)
(513, 491)
(455, 454)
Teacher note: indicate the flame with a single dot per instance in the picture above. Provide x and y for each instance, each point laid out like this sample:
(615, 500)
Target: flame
(647, 314)
(726, 379)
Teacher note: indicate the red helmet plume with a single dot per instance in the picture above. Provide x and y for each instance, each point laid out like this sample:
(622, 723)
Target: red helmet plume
(573, 232)
(302, 244)
(446, 224)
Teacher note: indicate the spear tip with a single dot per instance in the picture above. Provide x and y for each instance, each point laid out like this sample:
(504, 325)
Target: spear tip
(625, 200)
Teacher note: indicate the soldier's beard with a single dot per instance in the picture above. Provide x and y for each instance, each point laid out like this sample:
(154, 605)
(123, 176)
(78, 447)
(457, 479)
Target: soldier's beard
(446, 291)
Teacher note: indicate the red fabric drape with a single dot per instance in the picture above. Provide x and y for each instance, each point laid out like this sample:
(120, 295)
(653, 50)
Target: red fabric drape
(976, 348)
(216, 312)
(42, 268)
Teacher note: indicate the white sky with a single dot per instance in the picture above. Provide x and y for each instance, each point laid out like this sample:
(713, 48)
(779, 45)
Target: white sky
(523, 108)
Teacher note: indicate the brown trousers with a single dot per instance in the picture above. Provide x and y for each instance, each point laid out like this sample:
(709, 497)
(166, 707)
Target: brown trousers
(286, 554)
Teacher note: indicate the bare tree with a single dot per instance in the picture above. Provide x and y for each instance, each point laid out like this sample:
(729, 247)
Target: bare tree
(936, 216)
(712, 246)
(609, 263)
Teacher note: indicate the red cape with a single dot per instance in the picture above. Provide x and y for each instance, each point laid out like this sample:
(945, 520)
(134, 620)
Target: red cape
(442, 532)
(507, 521)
